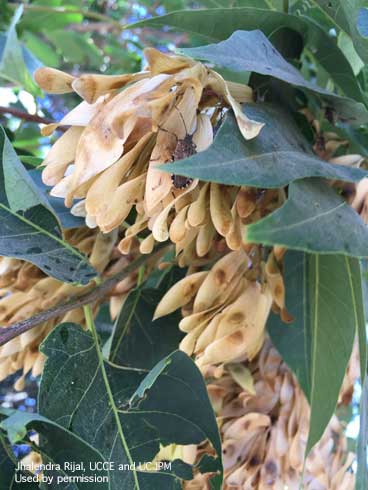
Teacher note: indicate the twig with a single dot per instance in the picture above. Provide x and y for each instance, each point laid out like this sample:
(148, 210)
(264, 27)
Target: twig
(14, 330)
(25, 115)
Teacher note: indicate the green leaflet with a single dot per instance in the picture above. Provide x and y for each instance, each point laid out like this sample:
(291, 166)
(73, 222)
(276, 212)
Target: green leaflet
(362, 471)
(166, 405)
(57, 445)
(17, 63)
(313, 219)
(28, 228)
(67, 220)
(351, 16)
(321, 295)
(213, 25)
(251, 51)
(279, 155)
(7, 467)
(134, 326)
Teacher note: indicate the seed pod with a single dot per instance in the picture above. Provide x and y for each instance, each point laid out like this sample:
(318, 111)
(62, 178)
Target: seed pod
(61, 155)
(234, 236)
(219, 279)
(91, 86)
(177, 227)
(220, 207)
(53, 81)
(205, 239)
(160, 228)
(198, 210)
(245, 202)
(180, 294)
(121, 203)
(146, 245)
(102, 190)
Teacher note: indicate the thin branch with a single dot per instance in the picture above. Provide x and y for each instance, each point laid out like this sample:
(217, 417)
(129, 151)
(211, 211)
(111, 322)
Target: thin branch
(14, 330)
(25, 115)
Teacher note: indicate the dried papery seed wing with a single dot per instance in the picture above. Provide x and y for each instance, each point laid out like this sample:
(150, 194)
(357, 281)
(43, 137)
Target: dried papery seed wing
(62, 189)
(188, 323)
(198, 210)
(187, 245)
(139, 225)
(28, 337)
(38, 365)
(125, 245)
(177, 228)
(158, 186)
(159, 62)
(205, 239)
(245, 202)
(220, 208)
(225, 349)
(10, 348)
(275, 281)
(279, 252)
(351, 160)
(234, 236)
(99, 147)
(203, 135)
(101, 191)
(249, 128)
(187, 345)
(146, 245)
(220, 278)
(62, 153)
(81, 115)
(180, 294)
(209, 333)
(240, 92)
(361, 192)
(102, 249)
(121, 203)
(281, 439)
(91, 86)
(53, 81)
(160, 227)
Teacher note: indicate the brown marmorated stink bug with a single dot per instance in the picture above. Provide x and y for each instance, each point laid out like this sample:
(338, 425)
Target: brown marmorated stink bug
(184, 148)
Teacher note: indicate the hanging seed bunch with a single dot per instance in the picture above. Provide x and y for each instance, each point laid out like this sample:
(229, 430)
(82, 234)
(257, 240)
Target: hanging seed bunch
(225, 309)
(25, 291)
(130, 125)
(264, 426)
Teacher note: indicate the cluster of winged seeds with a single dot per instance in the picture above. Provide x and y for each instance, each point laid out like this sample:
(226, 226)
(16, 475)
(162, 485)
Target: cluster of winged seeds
(25, 291)
(120, 137)
(264, 427)
(225, 309)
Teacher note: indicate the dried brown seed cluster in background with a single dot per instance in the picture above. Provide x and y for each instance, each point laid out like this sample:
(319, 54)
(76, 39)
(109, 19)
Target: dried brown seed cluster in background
(26, 291)
(264, 430)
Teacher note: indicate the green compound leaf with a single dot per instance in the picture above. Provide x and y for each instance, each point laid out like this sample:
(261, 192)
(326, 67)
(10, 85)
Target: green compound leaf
(28, 228)
(16, 62)
(251, 51)
(351, 16)
(166, 405)
(213, 25)
(313, 219)
(134, 326)
(279, 155)
(57, 446)
(322, 294)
